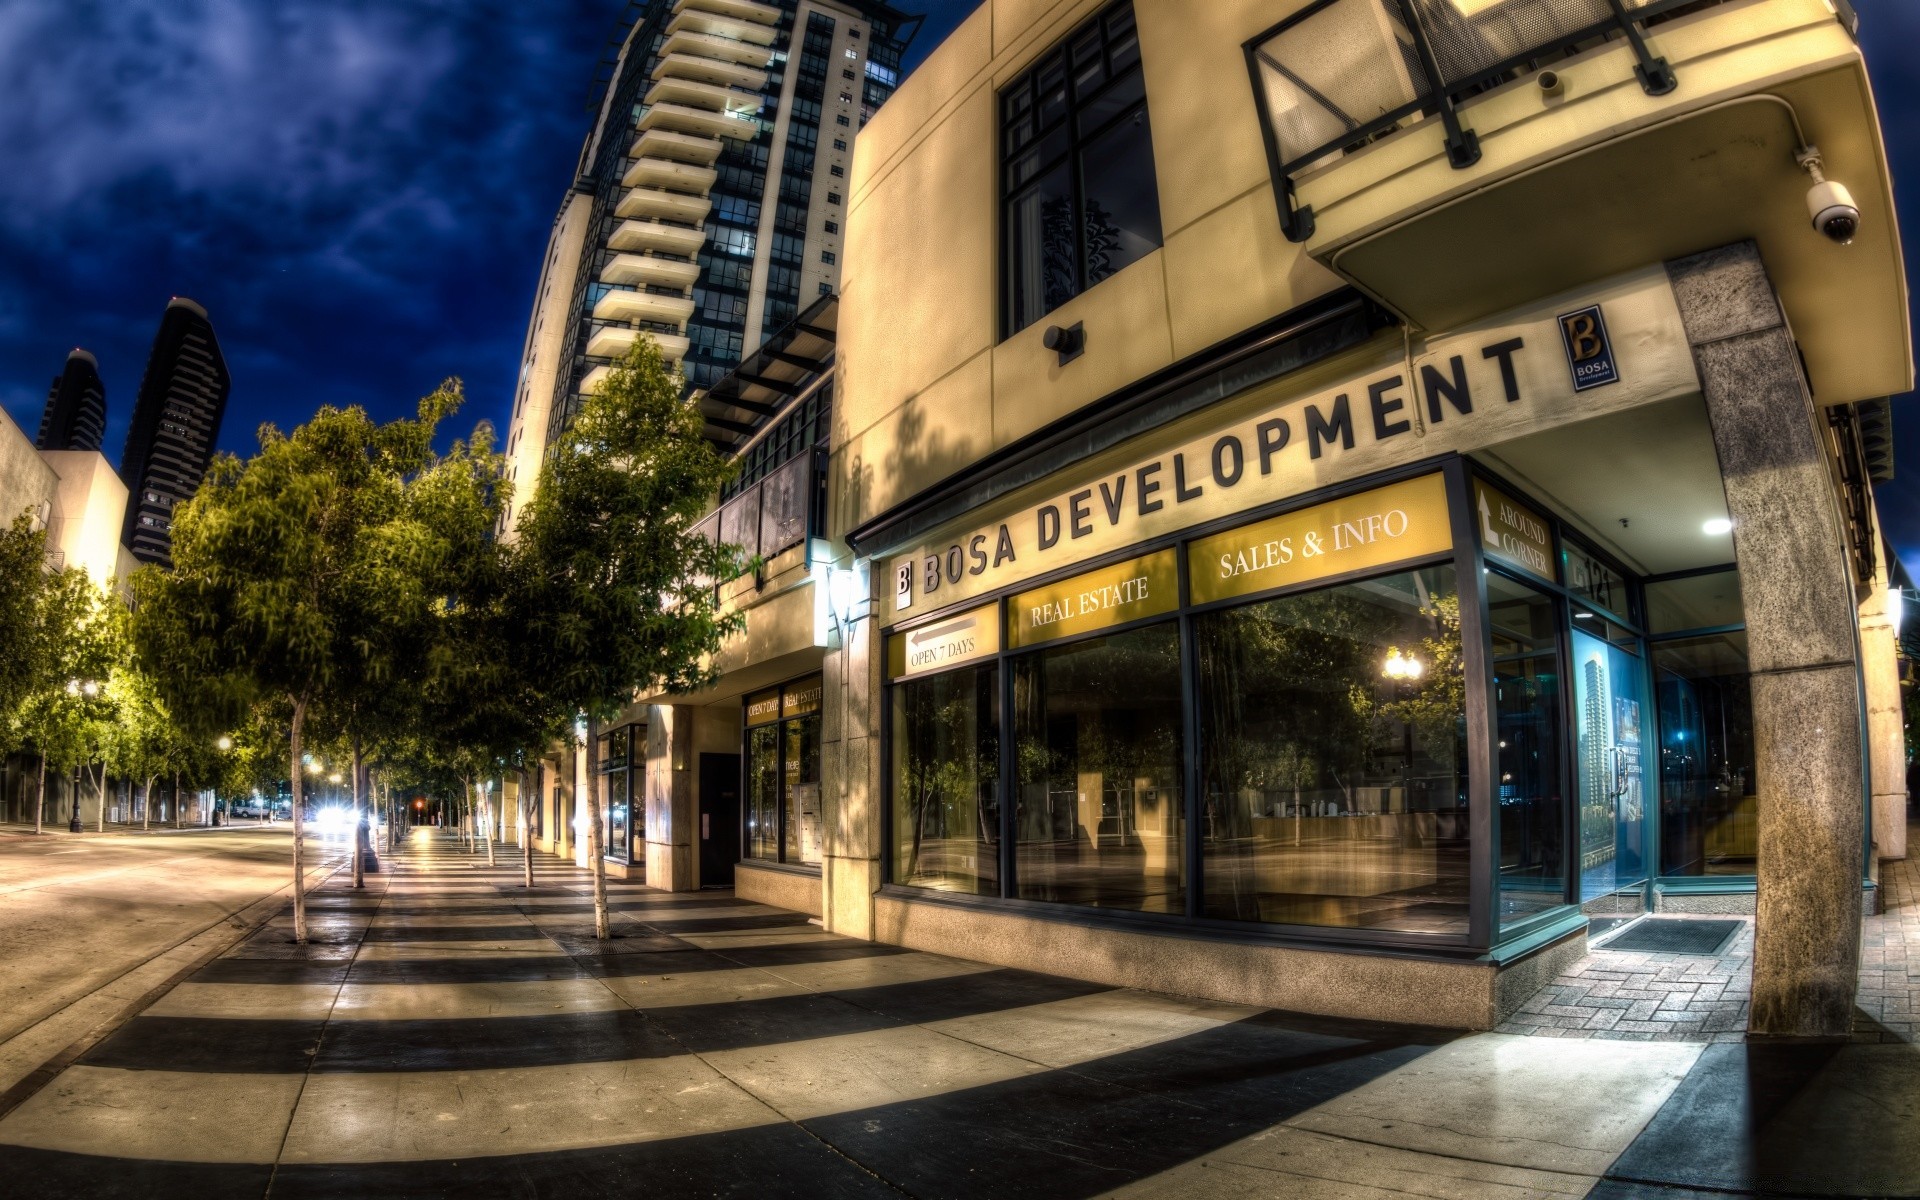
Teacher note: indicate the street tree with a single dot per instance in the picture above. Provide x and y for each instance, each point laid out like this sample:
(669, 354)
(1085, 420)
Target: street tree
(280, 564)
(616, 595)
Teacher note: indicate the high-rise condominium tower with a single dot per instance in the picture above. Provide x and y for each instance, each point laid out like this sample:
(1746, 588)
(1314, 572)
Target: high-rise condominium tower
(708, 203)
(176, 419)
(75, 417)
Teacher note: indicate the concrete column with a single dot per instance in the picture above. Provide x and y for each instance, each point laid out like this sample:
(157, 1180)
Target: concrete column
(850, 736)
(1797, 587)
(673, 861)
(1886, 722)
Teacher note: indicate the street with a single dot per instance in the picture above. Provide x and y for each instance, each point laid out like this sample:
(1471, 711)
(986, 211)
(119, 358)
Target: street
(449, 1033)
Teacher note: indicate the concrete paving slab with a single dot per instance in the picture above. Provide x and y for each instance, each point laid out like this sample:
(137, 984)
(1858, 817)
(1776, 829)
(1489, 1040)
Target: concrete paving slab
(461, 1001)
(465, 1114)
(823, 1076)
(181, 1116)
(1538, 1103)
(1302, 1165)
(242, 1001)
(1061, 1033)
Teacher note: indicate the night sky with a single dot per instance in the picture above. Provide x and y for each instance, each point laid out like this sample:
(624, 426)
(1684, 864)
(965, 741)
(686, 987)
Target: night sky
(359, 191)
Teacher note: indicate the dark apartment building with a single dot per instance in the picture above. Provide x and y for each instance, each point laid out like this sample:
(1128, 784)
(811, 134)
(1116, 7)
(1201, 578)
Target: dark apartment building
(76, 414)
(176, 420)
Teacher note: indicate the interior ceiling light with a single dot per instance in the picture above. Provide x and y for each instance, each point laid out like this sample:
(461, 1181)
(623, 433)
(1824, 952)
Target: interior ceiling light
(1716, 526)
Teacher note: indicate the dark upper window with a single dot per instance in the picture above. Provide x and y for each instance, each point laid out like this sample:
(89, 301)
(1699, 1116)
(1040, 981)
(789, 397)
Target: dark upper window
(836, 170)
(839, 143)
(833, 227)
(826, 256)
(842, 120)
(833, 197)
(1076, 169)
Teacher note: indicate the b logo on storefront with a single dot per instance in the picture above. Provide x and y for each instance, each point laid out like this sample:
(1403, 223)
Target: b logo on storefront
(1589, 352)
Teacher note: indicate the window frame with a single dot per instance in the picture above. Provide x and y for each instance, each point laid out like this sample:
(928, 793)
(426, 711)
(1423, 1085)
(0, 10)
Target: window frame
(1070, 155)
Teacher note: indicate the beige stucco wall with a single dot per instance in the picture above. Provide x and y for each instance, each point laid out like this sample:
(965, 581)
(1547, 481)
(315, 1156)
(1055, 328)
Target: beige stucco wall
(27, 481)
(89, 507)
(927, 385)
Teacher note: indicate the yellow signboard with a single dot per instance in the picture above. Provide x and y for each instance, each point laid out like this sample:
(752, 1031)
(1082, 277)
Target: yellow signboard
(1511, 532)
(799, 699)
(961, 639)
(1128, 591)
(1371, 529)
(764, 708)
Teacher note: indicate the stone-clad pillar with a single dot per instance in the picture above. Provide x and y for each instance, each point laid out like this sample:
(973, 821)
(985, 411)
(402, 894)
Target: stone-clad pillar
(672, 807)
(850, 749)
(1797, 587)
(1886, 723)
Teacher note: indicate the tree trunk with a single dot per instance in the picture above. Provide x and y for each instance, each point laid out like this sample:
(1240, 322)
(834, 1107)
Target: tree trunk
(146, 806)
(595, 862)
(176, 800)
(359, 879)
(40, 804)
(299, 798)
(526, 843)
(489, 828)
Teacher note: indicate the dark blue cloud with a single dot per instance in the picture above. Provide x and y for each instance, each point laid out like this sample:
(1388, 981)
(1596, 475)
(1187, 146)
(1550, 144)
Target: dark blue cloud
(358, 192)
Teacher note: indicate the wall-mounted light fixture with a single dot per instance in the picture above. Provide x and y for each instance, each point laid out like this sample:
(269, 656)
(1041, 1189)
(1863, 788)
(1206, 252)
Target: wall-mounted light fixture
(1067, 342)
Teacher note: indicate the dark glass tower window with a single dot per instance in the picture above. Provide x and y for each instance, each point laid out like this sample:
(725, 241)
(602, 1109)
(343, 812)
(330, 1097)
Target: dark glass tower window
(1080, 201)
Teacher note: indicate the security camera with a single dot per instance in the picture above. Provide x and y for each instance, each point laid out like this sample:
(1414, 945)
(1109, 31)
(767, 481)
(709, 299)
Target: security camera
(1829, 204)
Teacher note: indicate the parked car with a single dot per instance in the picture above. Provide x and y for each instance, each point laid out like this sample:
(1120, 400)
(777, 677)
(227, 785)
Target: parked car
(252, 808)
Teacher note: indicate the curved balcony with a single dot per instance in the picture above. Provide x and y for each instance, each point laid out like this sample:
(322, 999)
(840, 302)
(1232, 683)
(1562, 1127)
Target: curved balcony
(675, 147)
(645, 234)
(746, 10)
(665, 173)
(652, 202)
(643, 269)
(680, 118)
(705, 45)
(717, 25)
(614, 341)
(696, 93)
(623, 305)
(709, 70)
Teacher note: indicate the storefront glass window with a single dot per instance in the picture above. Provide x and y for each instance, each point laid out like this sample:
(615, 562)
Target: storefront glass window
(622, 774)
(1694, 602)
(800, 791)
(1593, 580)
(1527, 698)
(946, 781)
(1334, 757)
(1709, 812)
(1099, 814)
(763, 792)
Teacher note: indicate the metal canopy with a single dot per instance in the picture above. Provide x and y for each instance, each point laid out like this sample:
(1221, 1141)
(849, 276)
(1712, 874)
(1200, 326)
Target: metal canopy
(766, 381)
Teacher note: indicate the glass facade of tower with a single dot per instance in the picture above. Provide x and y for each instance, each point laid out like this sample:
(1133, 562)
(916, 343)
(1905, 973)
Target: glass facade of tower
(748, 160)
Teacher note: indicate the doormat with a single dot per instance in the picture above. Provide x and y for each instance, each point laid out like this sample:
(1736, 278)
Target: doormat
(1682, 935)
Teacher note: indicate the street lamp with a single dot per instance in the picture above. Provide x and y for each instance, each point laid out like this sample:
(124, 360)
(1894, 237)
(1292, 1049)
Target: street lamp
(76, 687)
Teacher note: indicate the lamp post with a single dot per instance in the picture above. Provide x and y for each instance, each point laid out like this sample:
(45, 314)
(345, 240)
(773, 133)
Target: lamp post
(89, 688)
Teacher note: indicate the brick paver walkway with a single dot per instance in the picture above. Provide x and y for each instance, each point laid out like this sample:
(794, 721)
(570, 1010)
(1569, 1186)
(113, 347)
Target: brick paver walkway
(1624, 996)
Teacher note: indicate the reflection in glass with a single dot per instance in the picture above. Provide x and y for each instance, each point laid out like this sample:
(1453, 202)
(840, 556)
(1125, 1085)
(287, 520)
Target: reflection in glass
(1099, 816)
(1695, 602)
(763, 792)
(617, 814)
(801, 790)
(1121, 211)
(1608, 692)
(946, 781)
(1334, 756)
(1709, 813)
(1592, 579)
(1526, 689)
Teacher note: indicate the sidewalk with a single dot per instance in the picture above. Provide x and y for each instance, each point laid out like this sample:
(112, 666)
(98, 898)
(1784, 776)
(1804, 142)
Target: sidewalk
(448, 1032)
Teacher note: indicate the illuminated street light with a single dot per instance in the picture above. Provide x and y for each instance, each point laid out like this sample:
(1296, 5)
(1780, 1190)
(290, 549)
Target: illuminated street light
(225, 743)
(1399, 666)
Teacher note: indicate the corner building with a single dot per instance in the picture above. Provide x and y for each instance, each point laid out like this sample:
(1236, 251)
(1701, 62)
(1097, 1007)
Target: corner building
(1325, 500)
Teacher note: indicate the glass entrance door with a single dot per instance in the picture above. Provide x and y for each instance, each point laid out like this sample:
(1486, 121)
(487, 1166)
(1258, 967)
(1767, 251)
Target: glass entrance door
(1609, 689)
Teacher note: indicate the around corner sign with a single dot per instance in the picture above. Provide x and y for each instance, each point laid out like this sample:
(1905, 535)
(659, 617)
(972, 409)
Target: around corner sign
(1589, 351)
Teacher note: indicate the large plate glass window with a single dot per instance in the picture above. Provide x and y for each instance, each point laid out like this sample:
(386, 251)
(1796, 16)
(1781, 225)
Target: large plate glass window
(945, 754)
(1080, 201)
(1333, 749)
(1709, 806)
(1524, 625)
(622, 773)
(782, 765)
